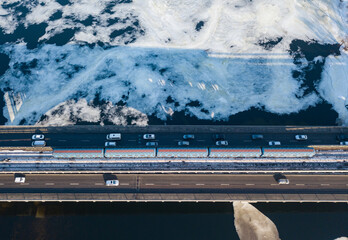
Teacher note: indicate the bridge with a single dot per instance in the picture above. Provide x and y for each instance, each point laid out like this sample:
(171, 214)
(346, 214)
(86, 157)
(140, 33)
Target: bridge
(319, 178)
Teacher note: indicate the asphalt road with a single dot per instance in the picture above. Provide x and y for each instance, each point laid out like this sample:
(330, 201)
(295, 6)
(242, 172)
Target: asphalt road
(165, 139)
(175, 183)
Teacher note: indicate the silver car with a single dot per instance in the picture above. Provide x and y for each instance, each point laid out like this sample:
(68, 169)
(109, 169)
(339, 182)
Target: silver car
(274, 143)
(37, 137)
(301, 137)
(152, 144)
(183, 143)
(221, 143)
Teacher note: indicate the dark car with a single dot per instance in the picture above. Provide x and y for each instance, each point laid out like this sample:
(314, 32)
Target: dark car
(257, 137)
(342, 137)
(219, 137)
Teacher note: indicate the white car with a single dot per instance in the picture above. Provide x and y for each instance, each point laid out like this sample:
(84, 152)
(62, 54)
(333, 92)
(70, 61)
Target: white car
(301, 137)
(113, 136)
(38, 143)
(221, 143)
(283, 181)
(19, 180)
(343, 143)
(112, 183)
(37, 137)
(149, 136)
(110, 144)
(274, 143)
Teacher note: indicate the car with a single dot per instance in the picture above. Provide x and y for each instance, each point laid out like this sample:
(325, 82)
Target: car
(257, 137)
(188, 137)
(37, 137)
(342, 137)
(219, 137)
(301, 137)
(19, 180)
(183, 143)
(38, 143)
(343, 143)
(113, 136)
(110, 144)
(112, 183)
(152, 144)
(221, 143)
(149, 136)
(274, 143)
(283, 181)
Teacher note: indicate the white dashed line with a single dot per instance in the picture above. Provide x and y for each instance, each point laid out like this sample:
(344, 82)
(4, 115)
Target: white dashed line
(74, 184)
(299, 184)
(1, 183)
(250, 184)
(149, 184)
(225, 184)
(49, 184)
(175, 184)
(200, 184)
(274, 184)
(24, 183)
(325, 184)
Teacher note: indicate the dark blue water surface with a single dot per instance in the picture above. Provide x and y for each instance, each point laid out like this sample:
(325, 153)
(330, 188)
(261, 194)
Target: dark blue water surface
(164, 220)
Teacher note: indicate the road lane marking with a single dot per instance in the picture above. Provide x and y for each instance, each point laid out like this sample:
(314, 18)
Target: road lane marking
(225, 184)
(149, 184)
(274, 184)
(200, 184)
(74, 184)
(325, 184)
(24, 183)
(1, 183)
(98, 184)
(49, 184)
(126, 184)
(250, 184)
(175, 184)
(299, 184)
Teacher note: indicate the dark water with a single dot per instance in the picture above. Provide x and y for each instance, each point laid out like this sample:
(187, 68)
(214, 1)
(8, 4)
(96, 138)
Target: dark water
(164, 220)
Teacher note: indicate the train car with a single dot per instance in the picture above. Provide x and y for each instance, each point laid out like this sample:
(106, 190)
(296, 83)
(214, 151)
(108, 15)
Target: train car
(182, 152)
(78, 153)
(130, 152)
(234, 152)
(288, 152)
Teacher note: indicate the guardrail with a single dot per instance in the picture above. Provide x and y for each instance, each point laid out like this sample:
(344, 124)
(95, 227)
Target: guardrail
(170, 197)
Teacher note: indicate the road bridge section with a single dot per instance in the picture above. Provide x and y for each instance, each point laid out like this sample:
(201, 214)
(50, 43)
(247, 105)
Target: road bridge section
(175, 188)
